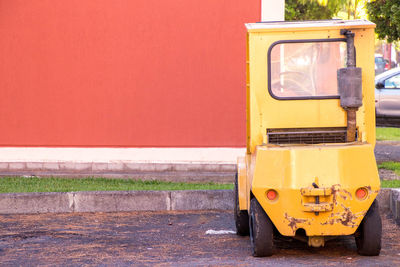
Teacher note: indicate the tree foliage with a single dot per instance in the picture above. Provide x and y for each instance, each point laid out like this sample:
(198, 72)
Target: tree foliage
(311, 9)
(386, 15)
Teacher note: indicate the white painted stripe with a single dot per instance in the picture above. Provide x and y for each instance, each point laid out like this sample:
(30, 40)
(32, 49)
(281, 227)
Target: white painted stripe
(219, 232)
(272, 10)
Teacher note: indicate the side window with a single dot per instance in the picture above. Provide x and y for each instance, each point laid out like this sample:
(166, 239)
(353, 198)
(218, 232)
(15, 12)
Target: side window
(393, 82)
(305, 69)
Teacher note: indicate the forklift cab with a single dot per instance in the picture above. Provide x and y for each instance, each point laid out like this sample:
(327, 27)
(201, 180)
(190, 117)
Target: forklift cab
(310, 170)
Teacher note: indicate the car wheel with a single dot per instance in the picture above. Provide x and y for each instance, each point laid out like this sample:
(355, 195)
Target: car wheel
(241, 216)
(369, 233)
(261, 231)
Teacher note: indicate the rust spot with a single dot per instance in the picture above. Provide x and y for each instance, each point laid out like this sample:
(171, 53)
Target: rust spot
(293, 222)
(370, 191)
(334, 193)
(346, 218)
(338, 191)
(331, 219)
(345, 192)
(331, 206)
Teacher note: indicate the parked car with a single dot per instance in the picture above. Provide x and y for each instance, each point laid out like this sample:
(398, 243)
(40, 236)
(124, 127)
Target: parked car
(380, 64)
(387, 97)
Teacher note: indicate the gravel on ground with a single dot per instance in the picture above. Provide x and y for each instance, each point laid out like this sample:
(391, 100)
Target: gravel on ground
(165, 238)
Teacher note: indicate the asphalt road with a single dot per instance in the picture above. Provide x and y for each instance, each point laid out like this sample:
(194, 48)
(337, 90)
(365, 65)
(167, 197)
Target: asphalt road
(164, 238)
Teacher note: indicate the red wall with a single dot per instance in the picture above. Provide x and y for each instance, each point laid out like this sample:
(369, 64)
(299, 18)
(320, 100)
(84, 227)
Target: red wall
(125, 73)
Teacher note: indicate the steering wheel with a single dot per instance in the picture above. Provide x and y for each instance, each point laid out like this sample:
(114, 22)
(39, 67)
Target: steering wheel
(295, 82)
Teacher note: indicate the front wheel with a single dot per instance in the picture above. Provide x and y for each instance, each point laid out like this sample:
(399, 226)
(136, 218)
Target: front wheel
(261, 231)
(369, 233)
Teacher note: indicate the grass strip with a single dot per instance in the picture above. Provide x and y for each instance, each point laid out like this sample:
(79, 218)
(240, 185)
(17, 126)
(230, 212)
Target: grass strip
(390, 183)
(34, 184)
(387, 134)
(390, 165)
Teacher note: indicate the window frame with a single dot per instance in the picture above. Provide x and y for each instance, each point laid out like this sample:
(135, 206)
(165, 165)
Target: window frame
(298, 41)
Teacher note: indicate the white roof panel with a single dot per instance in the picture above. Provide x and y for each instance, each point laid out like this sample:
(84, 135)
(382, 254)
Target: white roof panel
(307, 24)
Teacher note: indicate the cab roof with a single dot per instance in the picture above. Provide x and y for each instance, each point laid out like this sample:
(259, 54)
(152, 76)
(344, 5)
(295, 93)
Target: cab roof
(308, 25)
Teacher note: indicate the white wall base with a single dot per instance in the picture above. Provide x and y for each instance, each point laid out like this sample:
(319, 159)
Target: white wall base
(46, 154)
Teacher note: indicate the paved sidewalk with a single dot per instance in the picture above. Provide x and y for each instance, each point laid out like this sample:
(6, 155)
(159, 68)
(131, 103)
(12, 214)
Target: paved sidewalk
(168, 164)
(384, 150)
(111, 155)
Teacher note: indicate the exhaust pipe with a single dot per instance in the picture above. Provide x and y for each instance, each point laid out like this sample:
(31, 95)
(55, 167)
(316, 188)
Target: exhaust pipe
(350, 86)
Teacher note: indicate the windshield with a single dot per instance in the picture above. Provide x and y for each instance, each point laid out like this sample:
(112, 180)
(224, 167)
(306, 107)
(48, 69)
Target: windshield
(386, 74)
(379, 60)
(306, 69)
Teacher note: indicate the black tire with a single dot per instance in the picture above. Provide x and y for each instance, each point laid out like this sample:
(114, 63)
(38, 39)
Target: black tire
(369, 233)
(241, 216)
(261, 231)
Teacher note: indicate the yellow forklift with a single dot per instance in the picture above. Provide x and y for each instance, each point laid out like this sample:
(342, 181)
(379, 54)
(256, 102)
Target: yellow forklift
(309, 171)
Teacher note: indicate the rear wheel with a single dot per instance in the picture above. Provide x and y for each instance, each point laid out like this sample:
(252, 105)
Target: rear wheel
(241, 216)
(369, 233)
(261, 231)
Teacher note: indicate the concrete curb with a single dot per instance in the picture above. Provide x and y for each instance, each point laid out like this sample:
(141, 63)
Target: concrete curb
(35, 203)
(395, 204)
(383, 199)
(388, 142)
(115, 201)
(178, 172)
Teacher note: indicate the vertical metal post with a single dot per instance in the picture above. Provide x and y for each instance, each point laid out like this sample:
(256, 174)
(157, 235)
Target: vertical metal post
(350, 86)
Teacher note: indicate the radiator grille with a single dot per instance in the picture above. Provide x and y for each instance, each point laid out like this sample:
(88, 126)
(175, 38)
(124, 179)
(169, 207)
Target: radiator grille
(306, 135)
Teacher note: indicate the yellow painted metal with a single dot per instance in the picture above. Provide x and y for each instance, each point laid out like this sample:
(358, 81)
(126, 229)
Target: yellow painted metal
(311, 191)
(264, 112)
(338, 169)
(343, 168)
(242, 183)
(312, 207)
